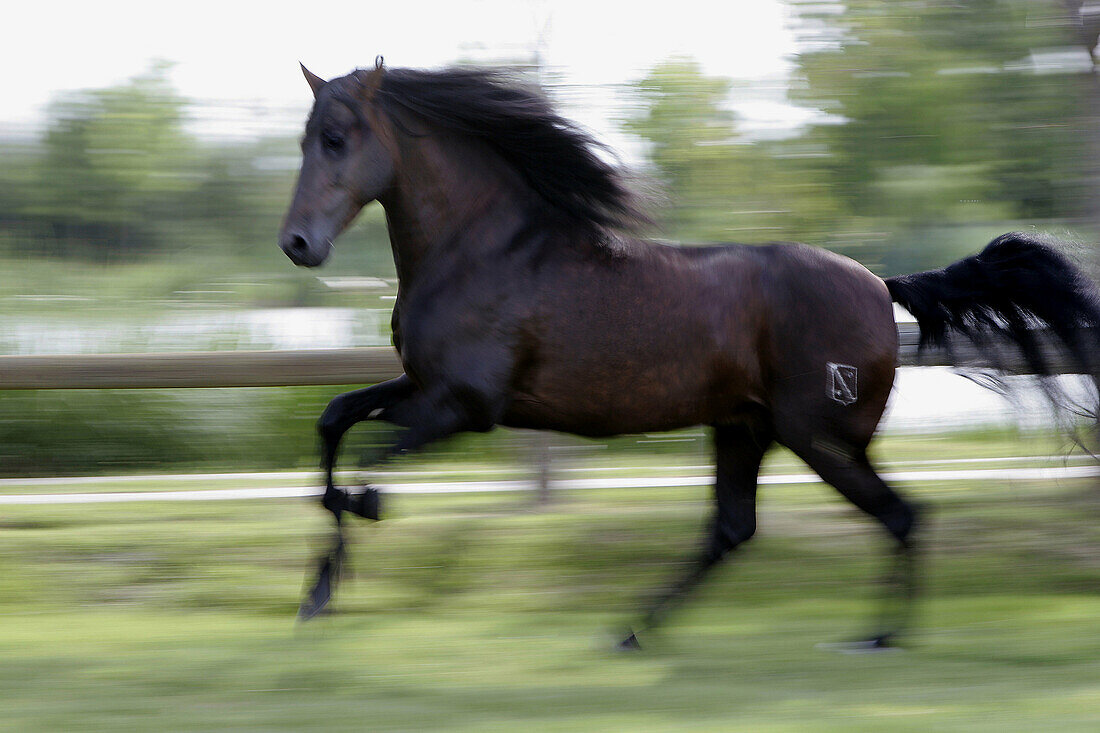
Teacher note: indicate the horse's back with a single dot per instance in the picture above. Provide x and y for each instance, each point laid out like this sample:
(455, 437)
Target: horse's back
(650, 338)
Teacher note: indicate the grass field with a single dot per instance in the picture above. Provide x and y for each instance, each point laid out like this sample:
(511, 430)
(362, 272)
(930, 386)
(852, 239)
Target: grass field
(473, 612)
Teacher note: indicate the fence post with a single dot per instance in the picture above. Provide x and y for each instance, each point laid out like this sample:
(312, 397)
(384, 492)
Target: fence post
(541, 452)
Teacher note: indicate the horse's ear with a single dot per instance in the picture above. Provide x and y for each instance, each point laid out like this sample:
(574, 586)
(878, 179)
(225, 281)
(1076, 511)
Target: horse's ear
(315, 82)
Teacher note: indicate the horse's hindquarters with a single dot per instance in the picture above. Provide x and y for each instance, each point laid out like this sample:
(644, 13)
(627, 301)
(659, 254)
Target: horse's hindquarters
(833, 348)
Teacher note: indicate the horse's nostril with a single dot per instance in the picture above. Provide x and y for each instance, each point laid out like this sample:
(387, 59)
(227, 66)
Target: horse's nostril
(295, 246)
(300, 251)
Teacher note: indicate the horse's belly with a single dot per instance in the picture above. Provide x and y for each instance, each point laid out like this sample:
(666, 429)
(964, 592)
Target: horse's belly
(615, 400)
(526, 412)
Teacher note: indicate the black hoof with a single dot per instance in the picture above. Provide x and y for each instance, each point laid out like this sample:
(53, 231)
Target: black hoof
(335, 500)
(320, 594)
(629, 644)
(367, 504)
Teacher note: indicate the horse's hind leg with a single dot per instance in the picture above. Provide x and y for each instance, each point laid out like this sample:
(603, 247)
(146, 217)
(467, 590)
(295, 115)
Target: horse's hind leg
(847, 469)
(738, 452)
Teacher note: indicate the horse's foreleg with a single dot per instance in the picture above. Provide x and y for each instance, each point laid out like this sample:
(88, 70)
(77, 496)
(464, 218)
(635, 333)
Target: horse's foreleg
(427, 416)
(739, 450)
(340, 415)
(343, 412)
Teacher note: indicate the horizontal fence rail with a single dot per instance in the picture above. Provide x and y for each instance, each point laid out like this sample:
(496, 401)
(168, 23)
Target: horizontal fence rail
(368, 366)
(200, 369)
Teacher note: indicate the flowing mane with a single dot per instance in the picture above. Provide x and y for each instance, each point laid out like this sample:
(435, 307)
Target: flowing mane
(556, 158)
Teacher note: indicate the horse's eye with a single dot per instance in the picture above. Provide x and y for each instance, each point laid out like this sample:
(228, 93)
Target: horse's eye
(332, 141)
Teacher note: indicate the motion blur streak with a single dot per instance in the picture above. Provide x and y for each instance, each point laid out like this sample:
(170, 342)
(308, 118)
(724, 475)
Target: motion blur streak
(905, 135)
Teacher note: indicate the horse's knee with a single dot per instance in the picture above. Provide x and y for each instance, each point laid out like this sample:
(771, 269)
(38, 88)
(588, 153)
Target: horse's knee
(331, 424)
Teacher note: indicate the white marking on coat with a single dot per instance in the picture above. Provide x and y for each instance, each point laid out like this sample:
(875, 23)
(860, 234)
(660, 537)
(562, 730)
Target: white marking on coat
(842, 384)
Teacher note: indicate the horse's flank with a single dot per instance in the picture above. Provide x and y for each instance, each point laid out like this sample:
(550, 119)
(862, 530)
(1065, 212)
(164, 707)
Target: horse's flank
(618, 335)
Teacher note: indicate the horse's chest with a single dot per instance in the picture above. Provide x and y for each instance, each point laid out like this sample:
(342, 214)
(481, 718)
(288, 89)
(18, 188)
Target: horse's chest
(436, 338)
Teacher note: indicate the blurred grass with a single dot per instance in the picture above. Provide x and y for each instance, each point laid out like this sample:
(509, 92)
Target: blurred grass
(501, 455)
(471, 612)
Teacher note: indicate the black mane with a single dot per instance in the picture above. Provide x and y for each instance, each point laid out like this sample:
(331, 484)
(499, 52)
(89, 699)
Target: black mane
(557, 159)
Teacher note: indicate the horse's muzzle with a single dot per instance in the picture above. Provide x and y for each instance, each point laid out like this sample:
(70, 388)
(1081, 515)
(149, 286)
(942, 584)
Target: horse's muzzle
(300, 252)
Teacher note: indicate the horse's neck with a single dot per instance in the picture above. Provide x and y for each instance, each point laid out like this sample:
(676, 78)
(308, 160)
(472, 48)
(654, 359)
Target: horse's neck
(449, 201)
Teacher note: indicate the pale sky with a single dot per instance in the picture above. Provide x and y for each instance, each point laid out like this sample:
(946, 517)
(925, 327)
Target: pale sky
(246, 54)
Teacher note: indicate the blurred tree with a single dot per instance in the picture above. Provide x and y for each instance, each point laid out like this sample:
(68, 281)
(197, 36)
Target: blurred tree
(723, 186)
(683, 110)
(954, 113)
(691, 141)
(117, 175)
(946, 122)
(114, 164)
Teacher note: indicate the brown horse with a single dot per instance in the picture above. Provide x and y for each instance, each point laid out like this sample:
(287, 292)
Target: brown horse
(523, 301)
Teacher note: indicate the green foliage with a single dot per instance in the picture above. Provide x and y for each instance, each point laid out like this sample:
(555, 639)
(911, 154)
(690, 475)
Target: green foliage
(941, 115)
(683, 111)
(89, 432)
(117, 179)
(105, 431)
(949, 90)
(723, 186)
(113, 162)
(940, 118)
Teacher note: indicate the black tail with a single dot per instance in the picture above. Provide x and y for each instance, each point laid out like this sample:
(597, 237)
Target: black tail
(1013, 288)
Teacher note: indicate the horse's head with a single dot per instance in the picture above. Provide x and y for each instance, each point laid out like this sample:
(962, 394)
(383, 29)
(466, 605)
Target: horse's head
(346, 164)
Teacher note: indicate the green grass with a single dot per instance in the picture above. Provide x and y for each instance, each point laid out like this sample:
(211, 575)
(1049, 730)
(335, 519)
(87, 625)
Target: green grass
(473, 612)
(510, 455)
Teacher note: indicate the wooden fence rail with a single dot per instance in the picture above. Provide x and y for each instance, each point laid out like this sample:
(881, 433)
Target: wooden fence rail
(347, 366)
(200, 369)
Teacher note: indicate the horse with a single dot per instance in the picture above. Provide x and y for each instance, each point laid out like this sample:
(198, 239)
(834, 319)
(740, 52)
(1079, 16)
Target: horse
(526, 299)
